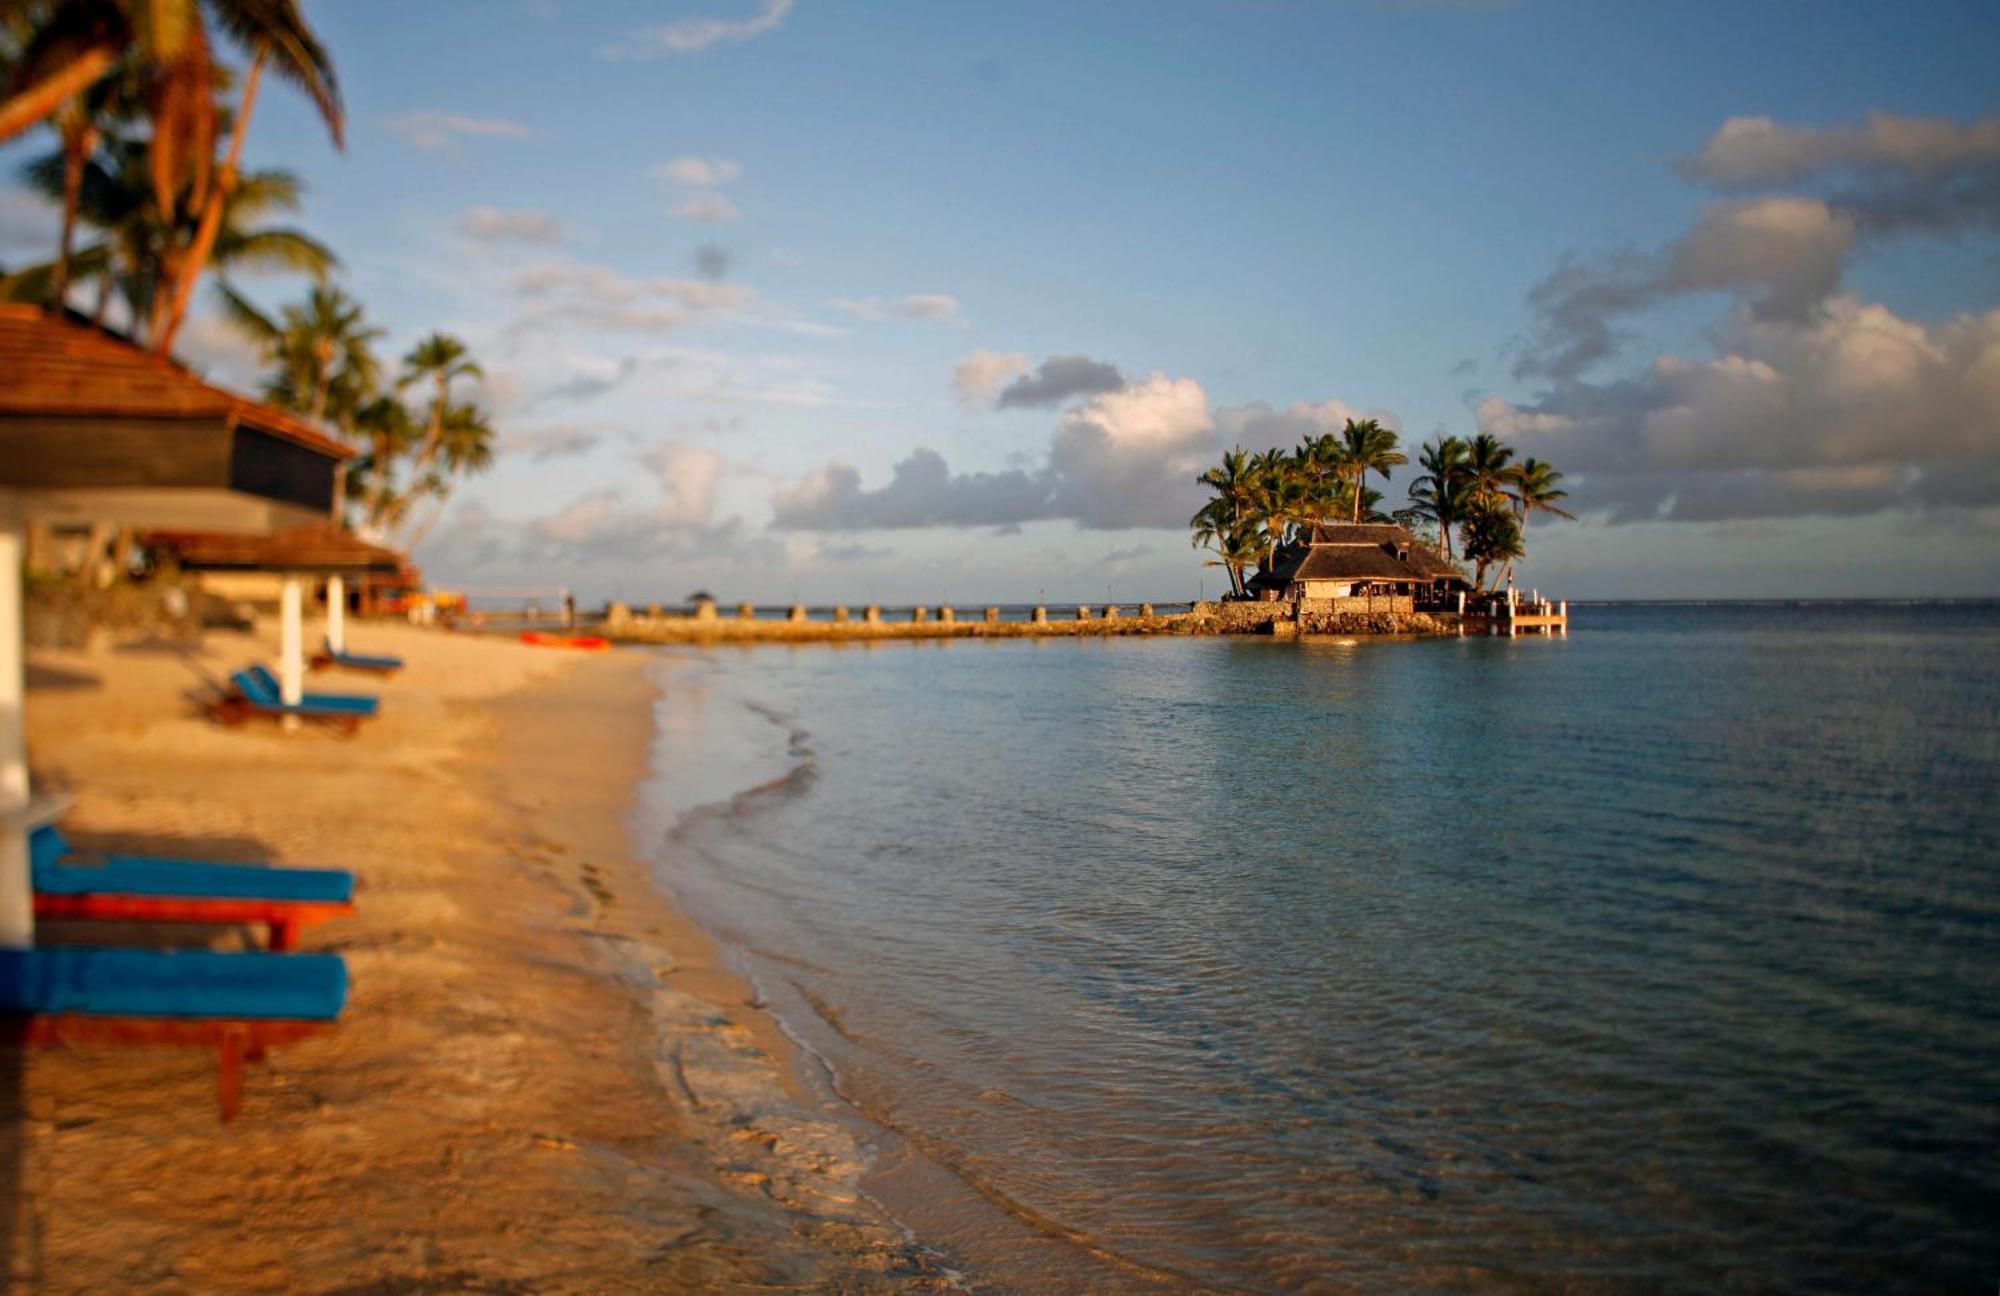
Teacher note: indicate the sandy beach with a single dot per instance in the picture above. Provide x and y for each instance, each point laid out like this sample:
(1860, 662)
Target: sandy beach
(544, 1079)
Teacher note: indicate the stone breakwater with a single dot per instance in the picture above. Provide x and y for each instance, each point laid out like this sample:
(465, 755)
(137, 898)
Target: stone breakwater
(949, 623)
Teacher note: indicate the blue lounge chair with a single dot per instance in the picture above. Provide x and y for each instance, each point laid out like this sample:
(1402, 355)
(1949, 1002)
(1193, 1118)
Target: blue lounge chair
(240, 1005)
(141, 888)
(256, 693)
(329, 656)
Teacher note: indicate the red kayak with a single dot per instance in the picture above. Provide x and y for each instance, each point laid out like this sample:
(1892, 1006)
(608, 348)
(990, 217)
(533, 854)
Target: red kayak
(582, 643)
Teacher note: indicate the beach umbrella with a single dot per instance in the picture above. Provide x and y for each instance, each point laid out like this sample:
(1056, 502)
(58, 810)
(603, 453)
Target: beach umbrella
(96, 430)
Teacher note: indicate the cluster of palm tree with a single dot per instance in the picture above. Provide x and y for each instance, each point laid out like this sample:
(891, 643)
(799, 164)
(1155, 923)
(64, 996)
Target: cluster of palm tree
(1478, 488)
(94, 68)
(140, 106)
(324, 366)
(1267, 500)
(1473, 492)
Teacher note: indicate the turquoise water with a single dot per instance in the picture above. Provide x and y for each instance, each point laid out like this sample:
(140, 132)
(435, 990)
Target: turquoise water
(1664, 957)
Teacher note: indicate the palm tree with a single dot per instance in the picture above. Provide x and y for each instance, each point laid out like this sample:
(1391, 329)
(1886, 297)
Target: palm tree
(1440, 493)
(323, 350)
(76, 43)
(116, 199)
(464, 449)
(1535, 490)
(1492, 540)
(1487, 468)
(439, 358)
(1367, 446)
(384, 427)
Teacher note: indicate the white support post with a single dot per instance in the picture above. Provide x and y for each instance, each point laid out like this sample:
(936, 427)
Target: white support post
(17, 898)
(336, 612)
(291, 644)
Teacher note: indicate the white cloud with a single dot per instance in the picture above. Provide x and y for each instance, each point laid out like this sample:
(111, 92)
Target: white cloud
(692, 34)
(680, 520)
(1757, 151)
(434, 131)
(550, 443)
(1852, 410)
(518, 225)
(1122, 459)
(573, 294)
(1785, 254)
(698, 172)
(1129, 458)
(979, 376)
(706, 209)
(912, 306)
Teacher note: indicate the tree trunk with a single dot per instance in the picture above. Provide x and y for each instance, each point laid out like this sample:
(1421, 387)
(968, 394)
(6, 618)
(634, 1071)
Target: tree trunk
(77, 145)
(188, 272)
(434, 434)
(40, 100)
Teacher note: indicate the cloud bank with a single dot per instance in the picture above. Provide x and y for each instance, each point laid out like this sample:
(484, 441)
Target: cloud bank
(1122, 459)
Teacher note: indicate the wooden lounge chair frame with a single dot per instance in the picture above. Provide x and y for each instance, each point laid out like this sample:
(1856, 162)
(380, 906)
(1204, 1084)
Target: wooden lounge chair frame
(325, 658)
(236, 708)
(283, 918)
(234, 1042)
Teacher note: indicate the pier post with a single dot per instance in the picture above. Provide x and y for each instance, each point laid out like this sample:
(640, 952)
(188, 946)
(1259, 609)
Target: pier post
(992, 616)
(872, 614)
(1110, 611)
(919, 615)
(1040, 616)
(746, 612)
(1083, 614)
(704, 610)
(840, 614)
(1565, 621)
(947, 616)
(797, 614)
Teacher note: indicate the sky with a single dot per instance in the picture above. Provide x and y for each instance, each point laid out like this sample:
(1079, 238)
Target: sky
(801, 300)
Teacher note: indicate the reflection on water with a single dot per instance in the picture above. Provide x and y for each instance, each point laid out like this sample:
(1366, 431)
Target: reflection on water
(1665, 955)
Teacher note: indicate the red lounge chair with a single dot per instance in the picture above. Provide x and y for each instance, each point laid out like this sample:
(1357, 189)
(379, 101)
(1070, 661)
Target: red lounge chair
(240, 1005)
(128, 888)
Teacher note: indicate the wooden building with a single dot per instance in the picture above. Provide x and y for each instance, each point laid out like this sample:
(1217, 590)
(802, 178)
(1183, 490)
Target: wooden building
(1368, 561)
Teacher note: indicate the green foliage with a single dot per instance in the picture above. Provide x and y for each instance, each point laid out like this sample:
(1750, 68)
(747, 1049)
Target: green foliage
(1474, 492)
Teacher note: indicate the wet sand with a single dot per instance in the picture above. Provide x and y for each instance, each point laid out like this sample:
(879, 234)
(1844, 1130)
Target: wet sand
(544, 1080)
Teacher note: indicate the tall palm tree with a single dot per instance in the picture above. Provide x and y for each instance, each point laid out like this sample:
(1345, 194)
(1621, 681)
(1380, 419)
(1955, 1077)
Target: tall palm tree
(1367, 446)
(438, 358)
(76, 43)
(465, 449)
(1488, 467)
(127, 258)
(1533, 489)
(1439, 494)
(385, 429)
(323, 350)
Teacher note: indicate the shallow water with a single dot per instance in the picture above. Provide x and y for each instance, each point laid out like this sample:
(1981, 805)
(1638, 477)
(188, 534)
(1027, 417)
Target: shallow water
(1660, 957)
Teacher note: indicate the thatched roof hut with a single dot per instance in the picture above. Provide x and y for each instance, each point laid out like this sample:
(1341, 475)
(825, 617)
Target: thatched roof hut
(1349, 560)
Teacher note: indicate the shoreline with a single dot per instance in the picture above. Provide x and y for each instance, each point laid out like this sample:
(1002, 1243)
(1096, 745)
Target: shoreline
(545, 1075)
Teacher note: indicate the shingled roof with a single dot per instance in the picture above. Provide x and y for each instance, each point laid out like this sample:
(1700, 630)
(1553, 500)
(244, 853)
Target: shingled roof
(58, 366)
(1364, 551)
(312, 548)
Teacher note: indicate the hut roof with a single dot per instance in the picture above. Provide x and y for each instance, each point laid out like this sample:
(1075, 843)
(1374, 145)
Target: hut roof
(59, 366)
(1364, 551)
(310, 548)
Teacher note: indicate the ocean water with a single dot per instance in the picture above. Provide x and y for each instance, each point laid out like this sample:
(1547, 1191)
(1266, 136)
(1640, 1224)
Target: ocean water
(1662, 957)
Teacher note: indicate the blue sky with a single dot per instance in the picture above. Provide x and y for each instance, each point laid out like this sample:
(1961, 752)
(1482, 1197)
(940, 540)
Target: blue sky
(724, 261)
